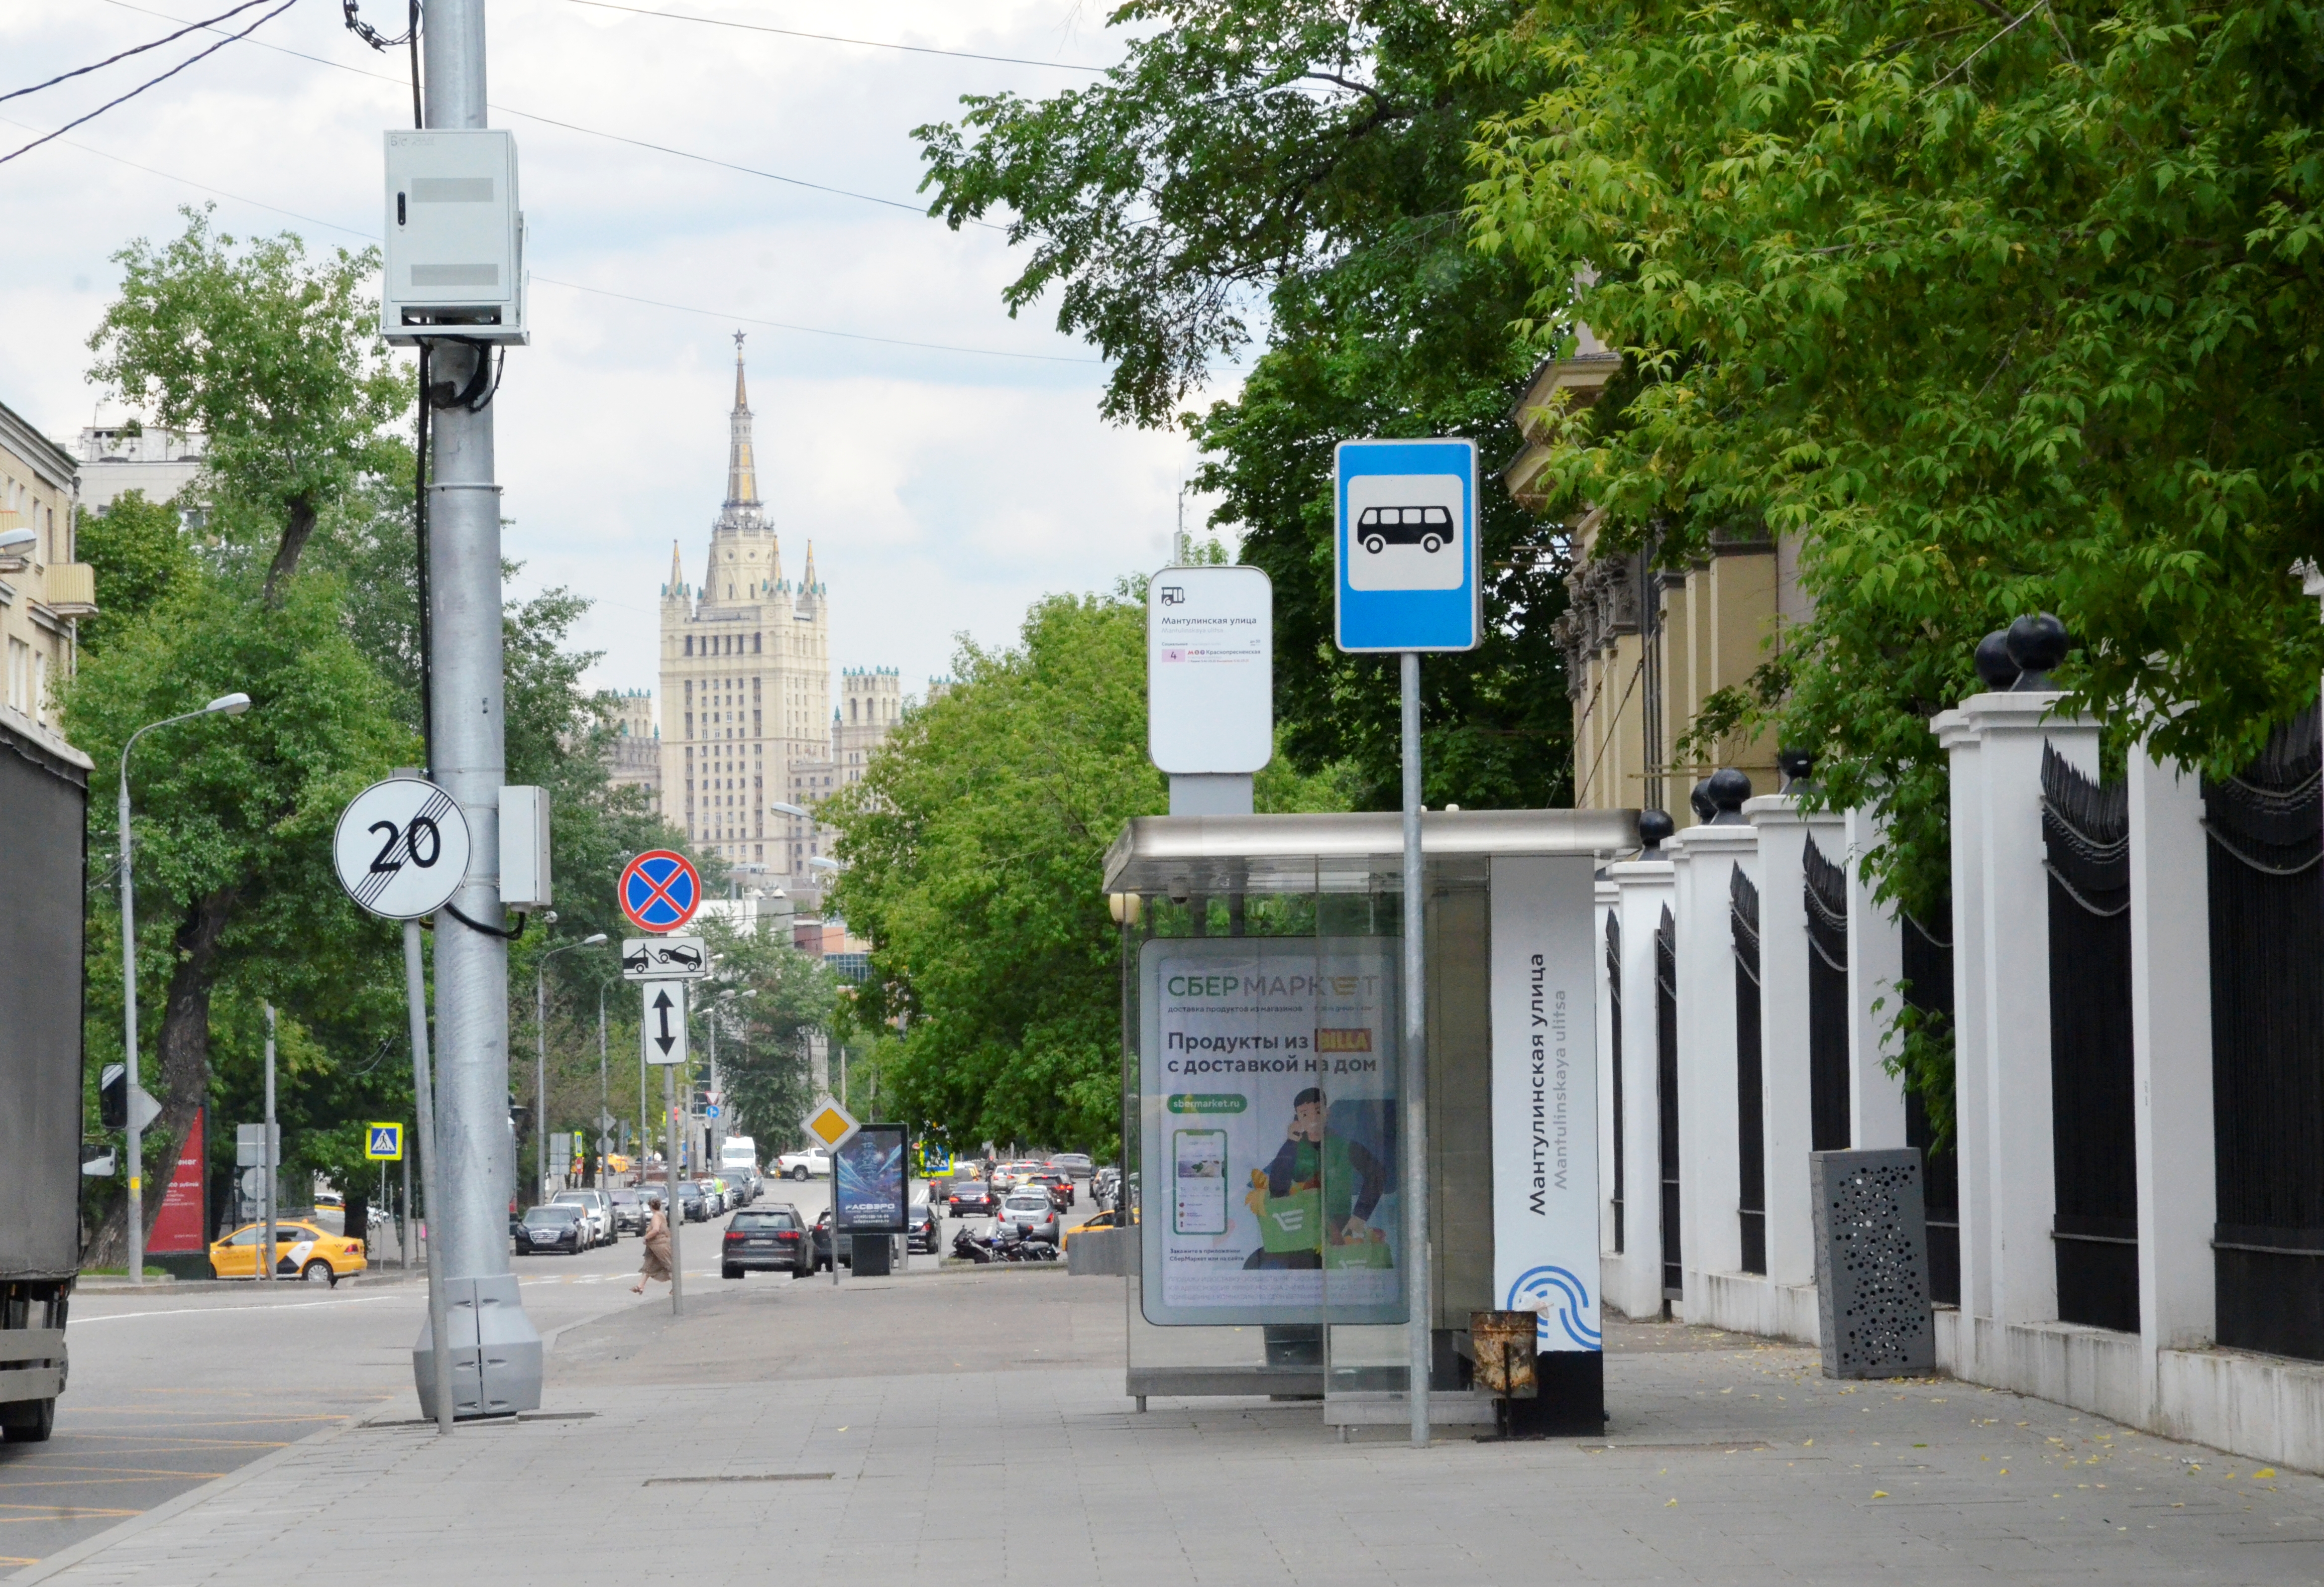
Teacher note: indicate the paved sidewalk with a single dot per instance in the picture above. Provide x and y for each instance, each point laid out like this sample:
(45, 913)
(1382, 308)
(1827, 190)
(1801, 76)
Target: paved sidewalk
(1728, 1462)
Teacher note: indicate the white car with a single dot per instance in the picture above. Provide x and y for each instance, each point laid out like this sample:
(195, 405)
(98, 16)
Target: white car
(596, 1210)
(813, 1163)
(1032, 1211)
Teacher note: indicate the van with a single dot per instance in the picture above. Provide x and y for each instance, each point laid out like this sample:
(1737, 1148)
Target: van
(739, 1151)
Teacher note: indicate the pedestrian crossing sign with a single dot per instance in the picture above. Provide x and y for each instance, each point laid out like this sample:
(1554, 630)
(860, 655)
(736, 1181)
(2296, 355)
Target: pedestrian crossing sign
(384, 1142)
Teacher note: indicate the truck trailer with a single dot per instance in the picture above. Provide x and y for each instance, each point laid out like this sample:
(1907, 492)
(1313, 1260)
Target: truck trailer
(44, 790)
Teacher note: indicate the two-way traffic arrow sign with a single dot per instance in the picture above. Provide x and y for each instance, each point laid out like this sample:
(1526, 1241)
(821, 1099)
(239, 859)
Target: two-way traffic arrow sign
(664, 1026)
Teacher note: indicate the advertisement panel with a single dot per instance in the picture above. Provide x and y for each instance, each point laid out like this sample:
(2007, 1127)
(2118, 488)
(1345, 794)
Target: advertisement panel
(868, 1188)
(182, 1227)
(1269, 1108)
(1545, 1097)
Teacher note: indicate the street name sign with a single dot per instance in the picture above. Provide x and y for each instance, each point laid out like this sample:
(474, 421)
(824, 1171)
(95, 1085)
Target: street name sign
(660, 890)
(830, 1124)
(664, 958)
(384, 1143)
(663, 1030)
(401, 848)
(1210, 670)
(1405, 549)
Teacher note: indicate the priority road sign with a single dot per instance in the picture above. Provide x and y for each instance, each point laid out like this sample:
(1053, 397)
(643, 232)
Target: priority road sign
(664, 958)
(1406, 549)
(830, 1124)
(385, 1143)
(401, 848)
(660, 890)
(664, 1027)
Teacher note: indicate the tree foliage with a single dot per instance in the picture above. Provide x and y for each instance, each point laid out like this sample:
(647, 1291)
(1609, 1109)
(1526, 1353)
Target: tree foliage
(975, 845)
(1293, 170)
(1994, 312)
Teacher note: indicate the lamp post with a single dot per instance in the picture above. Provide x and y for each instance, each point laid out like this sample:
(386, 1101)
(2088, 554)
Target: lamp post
(540, 1035)
(232, 705)
(604, 1094)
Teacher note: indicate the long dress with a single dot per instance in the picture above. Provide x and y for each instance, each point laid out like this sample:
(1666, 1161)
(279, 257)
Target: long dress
(657, 1262)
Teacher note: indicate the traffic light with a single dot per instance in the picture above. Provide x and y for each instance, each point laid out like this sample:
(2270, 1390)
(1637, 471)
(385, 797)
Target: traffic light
(113, 1097)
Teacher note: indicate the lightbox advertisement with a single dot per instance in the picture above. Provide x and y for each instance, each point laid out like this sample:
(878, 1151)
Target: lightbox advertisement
(1269, 1136)
(867, 1179)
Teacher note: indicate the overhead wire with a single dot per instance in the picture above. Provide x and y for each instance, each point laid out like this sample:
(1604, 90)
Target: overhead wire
(599, 132)
(760, 27)
(151, 82)
(82, 72)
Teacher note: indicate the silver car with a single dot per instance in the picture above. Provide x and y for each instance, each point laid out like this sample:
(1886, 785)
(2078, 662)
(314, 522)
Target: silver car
(1033, 1211)
(596, 1207)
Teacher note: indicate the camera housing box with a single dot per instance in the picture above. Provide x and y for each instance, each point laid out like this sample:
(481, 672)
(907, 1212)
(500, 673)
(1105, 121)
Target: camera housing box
(454, 238)
(524, 849)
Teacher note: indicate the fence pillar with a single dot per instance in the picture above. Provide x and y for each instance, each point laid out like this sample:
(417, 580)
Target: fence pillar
(1634, 1278)
(1876, 959)
(2009, 1128)
(2171, 1025)
(1608, 912)
(1788, 1111)
(1704, 863)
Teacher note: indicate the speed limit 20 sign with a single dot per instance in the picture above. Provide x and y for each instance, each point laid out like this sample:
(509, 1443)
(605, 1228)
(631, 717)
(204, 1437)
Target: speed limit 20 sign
(401, 848)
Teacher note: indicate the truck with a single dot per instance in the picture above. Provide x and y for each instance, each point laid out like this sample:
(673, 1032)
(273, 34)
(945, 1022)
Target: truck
(44, 790)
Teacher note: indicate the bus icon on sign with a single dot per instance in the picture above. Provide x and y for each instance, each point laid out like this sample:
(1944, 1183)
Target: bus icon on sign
(1429, 528)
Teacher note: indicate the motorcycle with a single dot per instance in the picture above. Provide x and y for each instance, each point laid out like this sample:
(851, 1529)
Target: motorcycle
(969, 1247)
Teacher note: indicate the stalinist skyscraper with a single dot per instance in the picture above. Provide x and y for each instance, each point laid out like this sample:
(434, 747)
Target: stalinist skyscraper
(747, 719)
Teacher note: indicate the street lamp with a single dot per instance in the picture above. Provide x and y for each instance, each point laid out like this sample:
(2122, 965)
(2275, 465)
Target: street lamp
(18, 540)
(718, 1006)
(232, 705)
(541, 1036)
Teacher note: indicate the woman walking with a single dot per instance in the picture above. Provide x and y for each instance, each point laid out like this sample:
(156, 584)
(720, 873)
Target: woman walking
(657, 1262)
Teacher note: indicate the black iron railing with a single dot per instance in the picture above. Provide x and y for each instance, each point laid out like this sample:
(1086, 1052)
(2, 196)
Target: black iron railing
(1750, 1098)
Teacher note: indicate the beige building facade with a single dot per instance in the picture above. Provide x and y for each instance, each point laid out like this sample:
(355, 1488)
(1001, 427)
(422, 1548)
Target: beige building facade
(1647, 645)
(748, 721)
(44, 591)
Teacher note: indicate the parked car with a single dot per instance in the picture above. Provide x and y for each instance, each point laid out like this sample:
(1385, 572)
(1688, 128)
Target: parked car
(1060, 1187)
(923, 1229)
(971, 1198)
(715, 1191)
(558, 1226)
(1106, 1220)
(1076, 1163)
(1033, 1209)
(692, 1205)
(814, 1162)
(631, 1209)
(598, 1209)
(302, 1250)
(823, 1245)
(766, 1239)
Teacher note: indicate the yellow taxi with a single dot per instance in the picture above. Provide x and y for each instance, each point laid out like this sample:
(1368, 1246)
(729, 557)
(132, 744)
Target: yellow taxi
(1108, 1219)
(301, 1250)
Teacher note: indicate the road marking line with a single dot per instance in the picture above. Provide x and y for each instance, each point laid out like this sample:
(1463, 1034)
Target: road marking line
(288, 1305)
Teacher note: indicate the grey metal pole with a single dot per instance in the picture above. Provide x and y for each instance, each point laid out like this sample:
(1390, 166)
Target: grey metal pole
(711, 1129)
(1418, 1336)
(604, 1098)
(266, 1200)
(431, 1176)
(541, 1077)
(478, 1164)
(135, 1147)
(404, 1223)
(674, 1209)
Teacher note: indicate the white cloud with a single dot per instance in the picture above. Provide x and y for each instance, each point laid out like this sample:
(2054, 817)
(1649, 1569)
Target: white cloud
(943, 490)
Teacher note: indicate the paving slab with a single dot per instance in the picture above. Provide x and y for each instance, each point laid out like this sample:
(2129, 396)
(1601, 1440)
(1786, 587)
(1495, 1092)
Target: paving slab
(828, 1435)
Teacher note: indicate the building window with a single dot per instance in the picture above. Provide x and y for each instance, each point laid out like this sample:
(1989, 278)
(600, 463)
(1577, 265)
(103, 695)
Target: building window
(689, 649)
(754, 643)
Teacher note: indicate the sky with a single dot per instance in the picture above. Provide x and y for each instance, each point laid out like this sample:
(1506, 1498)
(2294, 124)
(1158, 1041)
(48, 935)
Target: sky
(944, 491)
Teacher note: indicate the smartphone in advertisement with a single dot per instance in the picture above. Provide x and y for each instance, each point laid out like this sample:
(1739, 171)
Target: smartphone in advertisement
(1200, 1189)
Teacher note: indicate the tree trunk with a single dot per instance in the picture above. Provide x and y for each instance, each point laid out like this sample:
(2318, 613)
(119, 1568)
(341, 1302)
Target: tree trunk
(185, 1056)
(295, 535)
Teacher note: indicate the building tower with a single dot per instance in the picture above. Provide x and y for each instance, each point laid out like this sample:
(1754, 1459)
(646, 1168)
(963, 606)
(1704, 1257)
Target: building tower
(745, 682)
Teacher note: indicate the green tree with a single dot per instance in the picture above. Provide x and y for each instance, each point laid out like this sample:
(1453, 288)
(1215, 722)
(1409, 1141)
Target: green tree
(1300, 164)
(975, 845)
(1994, 312)
(139, 552)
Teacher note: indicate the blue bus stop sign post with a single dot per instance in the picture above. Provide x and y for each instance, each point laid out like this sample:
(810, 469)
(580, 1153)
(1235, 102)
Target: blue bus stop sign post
(1409, 576)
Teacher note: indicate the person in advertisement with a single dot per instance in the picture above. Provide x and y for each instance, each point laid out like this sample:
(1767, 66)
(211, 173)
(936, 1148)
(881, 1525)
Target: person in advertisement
(1343, 1174)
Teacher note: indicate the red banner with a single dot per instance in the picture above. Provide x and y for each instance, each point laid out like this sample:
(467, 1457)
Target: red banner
(181, 1225)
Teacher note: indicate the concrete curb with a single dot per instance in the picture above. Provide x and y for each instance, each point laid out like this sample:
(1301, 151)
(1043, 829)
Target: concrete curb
(66, 1559)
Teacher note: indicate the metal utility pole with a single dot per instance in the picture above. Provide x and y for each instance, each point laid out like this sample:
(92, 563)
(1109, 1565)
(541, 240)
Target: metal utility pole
(469, 1215)
(673, 1208)
(1419, 1338)
(266, 1193)
(604, 1098)
(540, 1032)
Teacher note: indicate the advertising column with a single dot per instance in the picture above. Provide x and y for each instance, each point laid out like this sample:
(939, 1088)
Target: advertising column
(1545, 1125)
